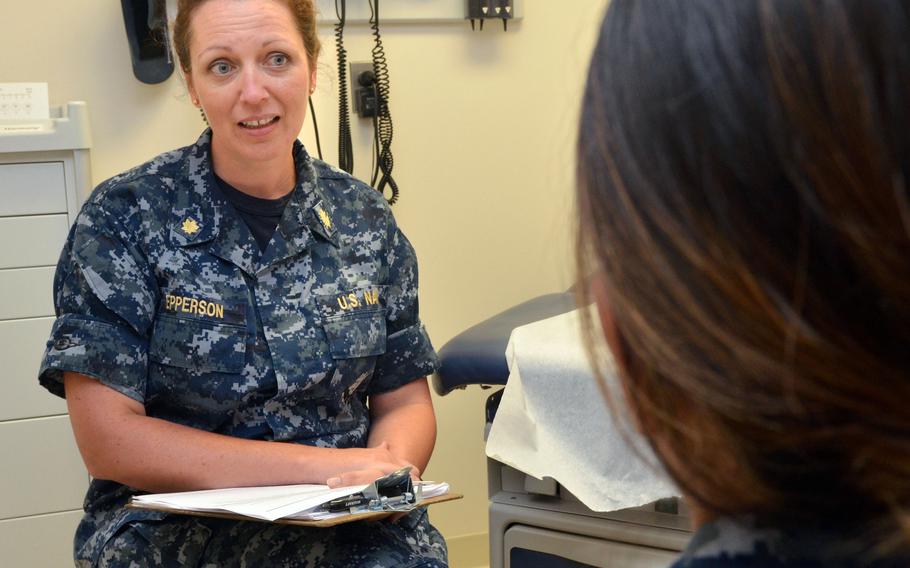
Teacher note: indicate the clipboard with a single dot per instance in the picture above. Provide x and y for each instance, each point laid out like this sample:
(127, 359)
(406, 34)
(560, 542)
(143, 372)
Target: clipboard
(321, 523)
(303, 505)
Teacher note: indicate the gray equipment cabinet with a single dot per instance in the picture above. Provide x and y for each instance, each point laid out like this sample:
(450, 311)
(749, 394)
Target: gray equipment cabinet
(539, 524)
(44, 177)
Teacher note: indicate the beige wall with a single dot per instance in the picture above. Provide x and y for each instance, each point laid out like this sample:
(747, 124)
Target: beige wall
(484, 129)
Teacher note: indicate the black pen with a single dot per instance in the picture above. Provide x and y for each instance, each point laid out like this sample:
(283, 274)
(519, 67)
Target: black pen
(346, 503)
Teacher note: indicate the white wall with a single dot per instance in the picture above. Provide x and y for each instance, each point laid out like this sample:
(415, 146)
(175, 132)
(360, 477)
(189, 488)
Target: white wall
(484, 132)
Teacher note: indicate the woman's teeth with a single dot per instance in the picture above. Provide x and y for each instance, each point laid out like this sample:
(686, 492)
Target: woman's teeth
(258, 123)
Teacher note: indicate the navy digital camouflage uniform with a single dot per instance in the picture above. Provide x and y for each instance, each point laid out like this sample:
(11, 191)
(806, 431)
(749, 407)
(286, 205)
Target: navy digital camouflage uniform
(163, 295)
(746, 543)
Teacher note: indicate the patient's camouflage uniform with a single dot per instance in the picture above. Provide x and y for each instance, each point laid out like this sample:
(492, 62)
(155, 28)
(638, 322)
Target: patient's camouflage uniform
(746, 543)
(163, 295)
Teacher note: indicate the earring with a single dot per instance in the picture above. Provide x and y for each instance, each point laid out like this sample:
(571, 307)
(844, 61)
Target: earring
(202, 114)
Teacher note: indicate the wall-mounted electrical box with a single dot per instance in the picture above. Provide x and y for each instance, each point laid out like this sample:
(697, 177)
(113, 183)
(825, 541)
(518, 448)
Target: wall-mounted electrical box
(362, 91)
(405, 11)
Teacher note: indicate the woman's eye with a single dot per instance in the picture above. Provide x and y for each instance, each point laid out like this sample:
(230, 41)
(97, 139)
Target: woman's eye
(278, 59)
(221, 68)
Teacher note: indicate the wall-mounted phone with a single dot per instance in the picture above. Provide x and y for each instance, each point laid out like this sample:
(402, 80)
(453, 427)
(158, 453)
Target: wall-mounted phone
(147, 35)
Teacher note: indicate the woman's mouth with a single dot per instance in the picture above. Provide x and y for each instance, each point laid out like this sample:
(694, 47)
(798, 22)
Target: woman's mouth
(261, 123)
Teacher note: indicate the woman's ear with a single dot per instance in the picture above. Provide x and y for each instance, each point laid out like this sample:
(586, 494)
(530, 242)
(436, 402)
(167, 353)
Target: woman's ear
(191, 89)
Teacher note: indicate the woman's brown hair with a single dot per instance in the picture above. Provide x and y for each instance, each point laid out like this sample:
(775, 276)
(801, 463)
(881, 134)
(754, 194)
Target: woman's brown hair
(304, 15)
(742, 170)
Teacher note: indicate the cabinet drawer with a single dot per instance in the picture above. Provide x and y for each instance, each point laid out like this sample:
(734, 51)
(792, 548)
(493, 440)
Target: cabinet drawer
(527, 546)
(26, 292)
(41, 470)
(22, 345)
(45, 540)
(31, 241)
(32, 189)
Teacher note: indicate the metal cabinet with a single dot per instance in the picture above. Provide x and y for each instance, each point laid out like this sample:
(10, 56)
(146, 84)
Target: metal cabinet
(44, 177)
(525, 546)
(531, 528)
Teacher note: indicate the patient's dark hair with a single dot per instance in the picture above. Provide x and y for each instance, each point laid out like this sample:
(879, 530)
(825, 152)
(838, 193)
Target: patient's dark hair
(743, 203)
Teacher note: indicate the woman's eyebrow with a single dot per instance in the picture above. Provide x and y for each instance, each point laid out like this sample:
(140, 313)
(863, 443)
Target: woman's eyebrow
(214, 48)
(265, 43)
(268, 42)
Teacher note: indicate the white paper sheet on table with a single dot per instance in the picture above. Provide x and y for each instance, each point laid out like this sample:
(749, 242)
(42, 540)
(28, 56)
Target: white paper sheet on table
(553, 422)
(268, 503)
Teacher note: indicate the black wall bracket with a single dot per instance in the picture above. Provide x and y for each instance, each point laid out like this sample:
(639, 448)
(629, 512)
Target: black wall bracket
(481, 10)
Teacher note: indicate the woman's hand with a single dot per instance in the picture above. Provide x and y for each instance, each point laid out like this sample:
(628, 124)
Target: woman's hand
(369, 475)
(379, 461)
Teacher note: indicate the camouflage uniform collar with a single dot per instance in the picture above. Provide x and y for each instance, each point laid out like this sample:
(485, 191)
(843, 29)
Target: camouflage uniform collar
(201, 215)
(301, 219)
(194, 217)
(312, 209)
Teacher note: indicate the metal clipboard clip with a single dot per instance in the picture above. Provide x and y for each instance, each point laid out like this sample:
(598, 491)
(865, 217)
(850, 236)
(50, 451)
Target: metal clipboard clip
(394, 492)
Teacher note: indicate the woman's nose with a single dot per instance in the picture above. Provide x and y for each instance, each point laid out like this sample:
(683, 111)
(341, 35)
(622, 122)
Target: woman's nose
(253, 89)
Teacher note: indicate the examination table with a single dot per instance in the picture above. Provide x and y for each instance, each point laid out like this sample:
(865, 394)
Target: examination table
(539, 523)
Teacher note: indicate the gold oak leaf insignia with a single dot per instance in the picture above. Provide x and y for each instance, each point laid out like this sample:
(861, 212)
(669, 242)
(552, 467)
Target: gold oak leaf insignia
(190, 226)
(324, 217)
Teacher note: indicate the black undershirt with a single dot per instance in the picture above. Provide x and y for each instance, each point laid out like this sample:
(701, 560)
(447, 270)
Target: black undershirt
(261, 215)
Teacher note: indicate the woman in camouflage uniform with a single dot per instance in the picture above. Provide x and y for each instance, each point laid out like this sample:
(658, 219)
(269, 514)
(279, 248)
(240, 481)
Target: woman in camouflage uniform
(227, 311)
(743, 170)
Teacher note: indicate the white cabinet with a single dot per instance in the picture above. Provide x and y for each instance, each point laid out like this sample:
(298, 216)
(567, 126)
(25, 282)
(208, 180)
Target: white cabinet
(43, 233)
(44, 177)
(47, 475)
(32, 188)
(24, 340)
(26, 293)
(42, 540)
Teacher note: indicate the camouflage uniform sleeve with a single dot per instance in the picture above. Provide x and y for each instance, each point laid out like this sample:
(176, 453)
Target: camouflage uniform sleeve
(105, 297)
(409, 354)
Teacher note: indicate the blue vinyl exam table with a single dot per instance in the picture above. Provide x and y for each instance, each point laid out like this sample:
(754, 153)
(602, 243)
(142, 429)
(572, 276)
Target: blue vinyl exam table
(538, 523)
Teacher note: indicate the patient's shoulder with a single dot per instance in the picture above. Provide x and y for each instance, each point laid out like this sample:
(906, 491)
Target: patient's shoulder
(745, 543)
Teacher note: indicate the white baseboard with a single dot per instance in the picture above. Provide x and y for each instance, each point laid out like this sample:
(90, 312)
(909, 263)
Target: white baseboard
(469, 551)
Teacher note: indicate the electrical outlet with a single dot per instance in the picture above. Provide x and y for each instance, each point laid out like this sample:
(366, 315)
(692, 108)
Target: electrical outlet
(364, 101)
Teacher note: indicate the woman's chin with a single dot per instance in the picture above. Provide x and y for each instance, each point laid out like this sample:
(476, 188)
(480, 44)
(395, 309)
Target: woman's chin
(257, 148)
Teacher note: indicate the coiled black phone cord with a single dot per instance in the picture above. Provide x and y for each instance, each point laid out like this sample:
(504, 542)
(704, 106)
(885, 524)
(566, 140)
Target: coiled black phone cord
(384, 129)
(345, 147)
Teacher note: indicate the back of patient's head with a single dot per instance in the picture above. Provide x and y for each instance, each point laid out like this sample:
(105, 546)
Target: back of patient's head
(743, 170)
